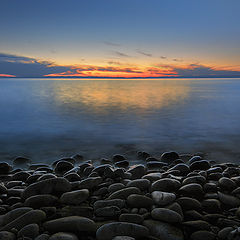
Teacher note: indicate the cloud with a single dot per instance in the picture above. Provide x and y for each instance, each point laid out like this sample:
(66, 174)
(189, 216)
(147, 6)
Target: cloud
(163, 57)
(199, 70)
(177, 60)
(20, 66)
(114, 63)
(121, 54)
(112, 44)
(144, 53)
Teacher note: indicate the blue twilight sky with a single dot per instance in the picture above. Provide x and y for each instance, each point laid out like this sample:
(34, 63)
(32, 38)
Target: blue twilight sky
(117, 38)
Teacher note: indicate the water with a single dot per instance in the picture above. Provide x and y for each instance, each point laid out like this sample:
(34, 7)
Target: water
(48, 119)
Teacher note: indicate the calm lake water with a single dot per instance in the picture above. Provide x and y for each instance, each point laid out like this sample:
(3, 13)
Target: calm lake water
(48, 119)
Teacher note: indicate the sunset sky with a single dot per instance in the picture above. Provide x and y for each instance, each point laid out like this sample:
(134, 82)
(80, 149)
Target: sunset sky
(120, 38)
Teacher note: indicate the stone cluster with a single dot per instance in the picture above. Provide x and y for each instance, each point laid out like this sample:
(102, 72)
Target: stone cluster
(173, 197)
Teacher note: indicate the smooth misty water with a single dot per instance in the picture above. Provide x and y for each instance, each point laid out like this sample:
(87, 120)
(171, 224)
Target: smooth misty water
(47, 119)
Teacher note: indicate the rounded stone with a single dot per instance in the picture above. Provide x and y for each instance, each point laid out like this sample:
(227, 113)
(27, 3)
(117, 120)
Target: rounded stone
(142, 184)
(123, 164)
(169, 157)
(137, 171)
(163, 230)
(120, 203)
(48, 186)
(210, 187)
(200, 165)
(152, 177)
(124, 193)
(115, 187)
(110, 230)
(194, 179)
(228, 200)
(192, 189)
(33, 216)
(21, 160)
(123, 238)
(224, 233)
(63, 236)
(139, 201)
(197, 225)
(182, 168)
(38, 201)
(200, 235)
(163, 198)
(155, 164)
(90, 183)
(211, 206)
(110, 211)
(5, 168)
(166, 215)
(43, 236)
(226, 184)
(63, 167)
(188, 203)
(131, 217)
(176, 207)
(5, 235)
(118, 158)
(70, 224)
(75, 197)
(194, 159)
(166, 185)
(20, 176)
(31, 231)
(14, 214)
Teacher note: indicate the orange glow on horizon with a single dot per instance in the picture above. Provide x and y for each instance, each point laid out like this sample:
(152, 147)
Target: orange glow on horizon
(6, 75)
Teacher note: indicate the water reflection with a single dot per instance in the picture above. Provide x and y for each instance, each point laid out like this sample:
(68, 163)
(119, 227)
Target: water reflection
(100, 96)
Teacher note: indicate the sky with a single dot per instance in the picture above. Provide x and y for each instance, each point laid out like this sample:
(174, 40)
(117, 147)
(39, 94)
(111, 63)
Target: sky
(120, 38)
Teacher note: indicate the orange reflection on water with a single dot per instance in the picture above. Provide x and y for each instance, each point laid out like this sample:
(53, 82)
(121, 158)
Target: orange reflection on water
(100, 96)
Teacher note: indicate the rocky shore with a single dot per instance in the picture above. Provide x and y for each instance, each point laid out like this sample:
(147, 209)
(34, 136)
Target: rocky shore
(172, 197)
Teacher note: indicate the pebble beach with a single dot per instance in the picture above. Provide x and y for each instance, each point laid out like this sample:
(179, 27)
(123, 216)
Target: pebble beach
(168, 197)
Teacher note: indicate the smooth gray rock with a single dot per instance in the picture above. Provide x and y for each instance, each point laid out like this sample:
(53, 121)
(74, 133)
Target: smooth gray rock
(188, 203)
(163, 230)
(123, 238)
(169, 157)
(33, 216)
(200, 235)
(70, 224)
(142, 184)
(90, 183)
(63, 236)
(192, 189)
(166, 185)
(194, 179)
(43, 200)
(124, 193)
(43, 236)
(108, 211)
(228, 200)
(14, 214)
(115, 187)
(139, 201)
(49, 186)
(131, 217)
(75, 197)
(120, 203)
(31, 231)
(110, 230)
(166, 215)
(5, 235)
(163, 198)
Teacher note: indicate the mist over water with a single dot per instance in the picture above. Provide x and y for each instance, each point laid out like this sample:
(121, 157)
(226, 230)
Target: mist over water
(49, 119)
